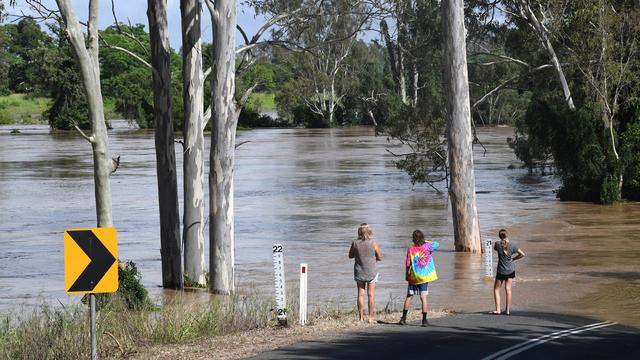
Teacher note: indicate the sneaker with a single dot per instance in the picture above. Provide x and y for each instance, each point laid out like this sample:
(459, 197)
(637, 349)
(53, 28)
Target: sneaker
(403, 321)
(425, 323)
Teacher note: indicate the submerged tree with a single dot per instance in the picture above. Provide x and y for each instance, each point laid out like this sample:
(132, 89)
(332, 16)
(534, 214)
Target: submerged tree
(171, 244)
(193, 152)
(462, 191)
(86, 50)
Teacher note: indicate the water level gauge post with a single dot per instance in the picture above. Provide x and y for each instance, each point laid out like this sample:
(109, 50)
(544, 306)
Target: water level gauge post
(278, 271)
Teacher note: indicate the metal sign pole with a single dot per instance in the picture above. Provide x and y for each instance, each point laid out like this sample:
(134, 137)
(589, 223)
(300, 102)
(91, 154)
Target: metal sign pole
(278, 270)
(94, 343)
(488, 258)
(302, 314)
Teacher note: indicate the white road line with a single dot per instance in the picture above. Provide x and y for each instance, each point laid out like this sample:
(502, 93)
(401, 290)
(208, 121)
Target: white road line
(518, 348)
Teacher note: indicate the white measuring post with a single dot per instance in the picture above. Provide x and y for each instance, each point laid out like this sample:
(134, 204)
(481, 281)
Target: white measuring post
(488, 258)
(278, 270)
(302, 315)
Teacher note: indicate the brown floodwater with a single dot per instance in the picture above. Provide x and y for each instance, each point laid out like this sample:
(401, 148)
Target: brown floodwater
(309, 189)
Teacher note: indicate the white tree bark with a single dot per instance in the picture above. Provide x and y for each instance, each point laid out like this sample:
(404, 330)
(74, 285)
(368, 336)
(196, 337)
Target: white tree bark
(462, 184)
(193, 165)
(170, 242)
(542, 33)
(222, 156)
(86, 53)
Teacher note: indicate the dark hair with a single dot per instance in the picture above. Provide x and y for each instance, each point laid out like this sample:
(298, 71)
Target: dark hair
(502, 234)
(418, 237)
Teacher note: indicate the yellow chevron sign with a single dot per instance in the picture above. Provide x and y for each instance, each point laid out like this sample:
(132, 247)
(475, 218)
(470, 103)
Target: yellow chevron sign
(91, 260)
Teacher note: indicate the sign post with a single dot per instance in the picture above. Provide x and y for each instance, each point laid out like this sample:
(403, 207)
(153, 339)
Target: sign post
(488, 258)
(278, 270)
(302, 314)
(91, 267)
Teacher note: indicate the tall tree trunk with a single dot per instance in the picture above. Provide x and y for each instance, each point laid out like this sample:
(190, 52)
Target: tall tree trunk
(86, 53)
(462, 187)
(193, 165)
(416, 81)
(402, 78)
(170, 243)
(223, 138)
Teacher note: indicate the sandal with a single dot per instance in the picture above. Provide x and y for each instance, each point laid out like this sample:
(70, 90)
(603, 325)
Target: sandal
(493, 312)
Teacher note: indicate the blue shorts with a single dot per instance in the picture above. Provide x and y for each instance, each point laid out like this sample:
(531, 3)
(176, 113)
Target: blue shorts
(420, 289)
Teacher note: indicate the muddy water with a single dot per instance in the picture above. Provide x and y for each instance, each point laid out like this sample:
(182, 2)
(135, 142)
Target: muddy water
(309, 189)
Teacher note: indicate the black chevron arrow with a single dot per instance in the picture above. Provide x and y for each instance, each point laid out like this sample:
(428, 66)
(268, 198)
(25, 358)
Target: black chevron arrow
(101, 260)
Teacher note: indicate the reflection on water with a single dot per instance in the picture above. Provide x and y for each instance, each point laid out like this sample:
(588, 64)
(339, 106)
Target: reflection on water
(309, 189)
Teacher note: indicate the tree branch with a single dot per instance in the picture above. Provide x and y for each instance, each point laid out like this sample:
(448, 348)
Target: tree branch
(88, 138)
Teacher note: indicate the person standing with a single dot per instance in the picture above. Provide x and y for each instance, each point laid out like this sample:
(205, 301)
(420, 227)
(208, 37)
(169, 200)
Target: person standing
(506, 270)
(420, 270)
(366, 253)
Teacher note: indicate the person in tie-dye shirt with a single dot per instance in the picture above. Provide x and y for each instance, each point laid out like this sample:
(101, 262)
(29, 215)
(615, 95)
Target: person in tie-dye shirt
(420, 271)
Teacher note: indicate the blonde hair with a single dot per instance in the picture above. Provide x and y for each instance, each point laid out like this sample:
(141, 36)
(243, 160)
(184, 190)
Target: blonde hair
(364, 232)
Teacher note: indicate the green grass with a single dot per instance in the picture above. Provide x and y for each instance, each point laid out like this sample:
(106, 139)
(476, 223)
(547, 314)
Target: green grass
(22, 109)
(62, 333)
(262, 101)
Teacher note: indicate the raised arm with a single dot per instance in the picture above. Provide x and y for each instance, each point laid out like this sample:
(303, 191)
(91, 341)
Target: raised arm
(376, 249)
(352, 253)
(519, 255)
(435, 245)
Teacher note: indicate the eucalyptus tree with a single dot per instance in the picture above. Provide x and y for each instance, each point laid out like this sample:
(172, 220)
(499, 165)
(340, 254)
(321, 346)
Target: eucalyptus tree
(171, 244)
(462, 192)
(193, 132)
(85, 47)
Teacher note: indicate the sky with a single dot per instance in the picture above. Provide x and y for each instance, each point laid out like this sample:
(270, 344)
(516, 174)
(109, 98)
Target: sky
(135, 11)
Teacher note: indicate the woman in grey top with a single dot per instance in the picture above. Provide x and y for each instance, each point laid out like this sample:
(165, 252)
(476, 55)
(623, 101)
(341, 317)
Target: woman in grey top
(367, 253)
(506, 269)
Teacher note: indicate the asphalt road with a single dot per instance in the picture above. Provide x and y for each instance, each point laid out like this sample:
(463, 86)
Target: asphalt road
(525, 335)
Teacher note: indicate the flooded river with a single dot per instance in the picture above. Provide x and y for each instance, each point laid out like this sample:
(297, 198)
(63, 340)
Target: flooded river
(309, 190)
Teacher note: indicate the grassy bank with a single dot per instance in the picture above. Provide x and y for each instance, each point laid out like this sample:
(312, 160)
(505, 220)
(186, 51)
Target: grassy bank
(186, 327)
(24, 109)
(262, 102)
(63, 333)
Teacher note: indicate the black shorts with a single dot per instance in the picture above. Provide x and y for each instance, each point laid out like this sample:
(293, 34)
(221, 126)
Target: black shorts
(505, 276)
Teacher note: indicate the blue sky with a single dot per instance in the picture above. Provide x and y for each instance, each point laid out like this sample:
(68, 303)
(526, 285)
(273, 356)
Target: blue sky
(136, 12)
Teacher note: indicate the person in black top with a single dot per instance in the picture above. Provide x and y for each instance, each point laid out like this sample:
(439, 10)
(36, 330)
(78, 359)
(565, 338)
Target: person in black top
(506, 270)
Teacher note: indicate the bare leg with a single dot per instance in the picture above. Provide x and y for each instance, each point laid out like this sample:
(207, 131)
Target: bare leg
(360, 302)
(507, 289)
(371, 289)
(405, 309)
(496, 294)
(407, 302)
(423, 300)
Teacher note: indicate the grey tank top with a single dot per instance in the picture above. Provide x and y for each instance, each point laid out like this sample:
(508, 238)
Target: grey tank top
(365, 267)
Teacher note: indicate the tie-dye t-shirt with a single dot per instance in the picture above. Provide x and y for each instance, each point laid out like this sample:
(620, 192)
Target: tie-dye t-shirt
(420, 263)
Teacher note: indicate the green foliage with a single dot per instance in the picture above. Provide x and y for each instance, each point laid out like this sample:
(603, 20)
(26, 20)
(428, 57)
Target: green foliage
(250, 118)
(130, 290)
(63, 333)
(5, 118)
(630, 154)
(262, 74)
(124, 78)
(594, 148)
(19, 41)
